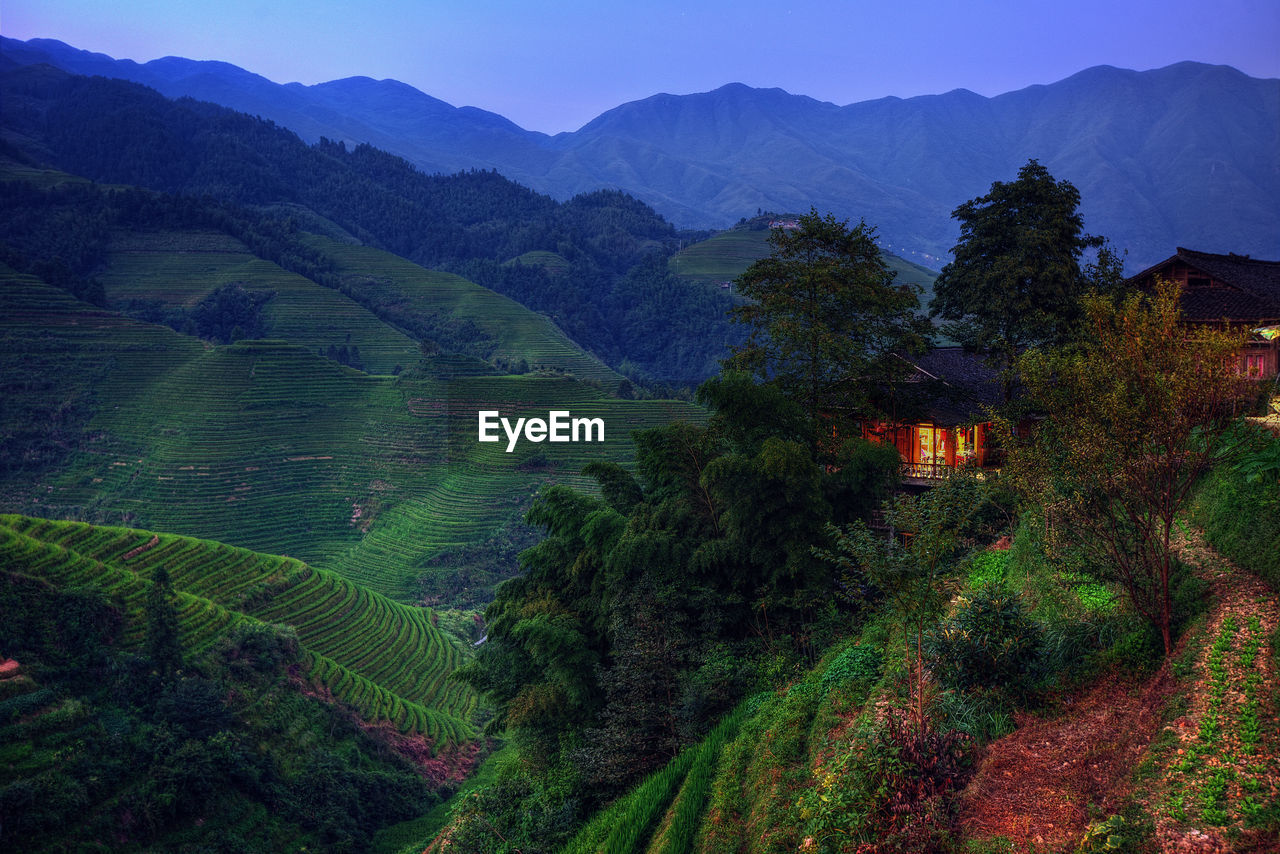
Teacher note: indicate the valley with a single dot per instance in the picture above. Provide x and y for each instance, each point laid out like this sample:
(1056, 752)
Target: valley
(300, 549)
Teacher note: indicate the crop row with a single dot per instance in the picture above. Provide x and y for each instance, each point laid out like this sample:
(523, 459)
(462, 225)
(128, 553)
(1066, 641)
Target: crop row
(375, 703)
(392, 661)
(679, 791)
(200, 622)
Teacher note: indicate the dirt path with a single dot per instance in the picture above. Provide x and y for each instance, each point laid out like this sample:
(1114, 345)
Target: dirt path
(1035, 786)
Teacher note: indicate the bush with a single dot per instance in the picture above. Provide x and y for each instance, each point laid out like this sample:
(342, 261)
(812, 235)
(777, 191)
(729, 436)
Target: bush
(887, 786)
(1237, 507)
(988, 567)
(858, 663)
(262, 646)
(988, 641)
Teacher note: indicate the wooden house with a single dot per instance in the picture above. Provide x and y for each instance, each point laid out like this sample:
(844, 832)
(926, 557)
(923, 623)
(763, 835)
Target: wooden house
(943, 423)
(1233, 291)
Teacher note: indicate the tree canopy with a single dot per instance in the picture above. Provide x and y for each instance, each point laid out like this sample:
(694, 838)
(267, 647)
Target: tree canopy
(1135, 414)
(1016, 280)
(827, 324)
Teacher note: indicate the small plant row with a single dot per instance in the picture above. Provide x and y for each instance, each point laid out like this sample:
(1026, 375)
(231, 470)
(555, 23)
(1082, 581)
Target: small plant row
(1211, 768)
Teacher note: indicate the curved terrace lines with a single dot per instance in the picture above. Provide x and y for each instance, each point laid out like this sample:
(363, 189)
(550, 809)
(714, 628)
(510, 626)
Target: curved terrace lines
(384, 658)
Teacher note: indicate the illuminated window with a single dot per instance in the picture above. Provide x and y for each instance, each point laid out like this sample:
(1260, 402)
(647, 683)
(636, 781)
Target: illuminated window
(1253, 364)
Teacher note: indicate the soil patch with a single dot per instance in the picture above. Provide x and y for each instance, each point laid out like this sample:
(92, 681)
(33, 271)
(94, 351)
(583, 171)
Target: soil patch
(1034, 785)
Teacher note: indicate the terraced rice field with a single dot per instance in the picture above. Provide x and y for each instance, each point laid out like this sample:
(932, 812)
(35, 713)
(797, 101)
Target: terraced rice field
(727, 255)
(181, 268)
(386, 659)
(517, 332)
(552, 262)
(265, 445)
(662, 814)
(482, 486)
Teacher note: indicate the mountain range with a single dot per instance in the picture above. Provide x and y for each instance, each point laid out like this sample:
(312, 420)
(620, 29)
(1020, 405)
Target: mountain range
(1183, 155)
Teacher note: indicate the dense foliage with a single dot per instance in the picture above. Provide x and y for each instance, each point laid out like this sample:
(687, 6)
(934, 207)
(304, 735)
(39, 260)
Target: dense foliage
(1016, 280)
(606, 287)
(645, 614)
(102, 744)
(1238, 505)
(1131, 424)
(827, 325)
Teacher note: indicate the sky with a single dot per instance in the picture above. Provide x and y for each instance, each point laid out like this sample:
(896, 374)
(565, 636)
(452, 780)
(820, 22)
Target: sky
(553, 65)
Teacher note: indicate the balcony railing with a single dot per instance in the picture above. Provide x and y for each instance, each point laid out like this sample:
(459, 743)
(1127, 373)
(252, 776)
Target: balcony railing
(931, 471)
(940, 471)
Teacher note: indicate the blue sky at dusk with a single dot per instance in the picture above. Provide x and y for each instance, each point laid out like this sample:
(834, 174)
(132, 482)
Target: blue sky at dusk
(552, 66)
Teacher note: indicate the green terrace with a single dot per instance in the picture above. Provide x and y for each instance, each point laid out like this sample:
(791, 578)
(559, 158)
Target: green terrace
(178, 269)
(725, 256)
(387, 660)
(267, 445)
(396, 287)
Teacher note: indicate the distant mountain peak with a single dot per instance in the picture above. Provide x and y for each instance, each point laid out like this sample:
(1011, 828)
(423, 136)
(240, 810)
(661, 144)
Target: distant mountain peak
(1180, 155)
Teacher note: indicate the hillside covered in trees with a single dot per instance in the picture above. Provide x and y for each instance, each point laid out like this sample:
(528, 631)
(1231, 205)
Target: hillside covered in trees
(265, 590)
(594, 264)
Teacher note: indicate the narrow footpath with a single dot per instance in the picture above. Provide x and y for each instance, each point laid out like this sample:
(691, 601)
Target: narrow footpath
(1194, 746)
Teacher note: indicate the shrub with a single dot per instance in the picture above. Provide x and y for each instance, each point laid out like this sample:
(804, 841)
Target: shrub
(988, 567)
(858, 663)
(886, 787)
(988, 641)
(263, 646)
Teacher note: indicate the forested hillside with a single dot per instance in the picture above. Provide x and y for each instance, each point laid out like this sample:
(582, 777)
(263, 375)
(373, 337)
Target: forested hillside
(152, 685)
(478, 224)
(1178, 156)
(273, 578)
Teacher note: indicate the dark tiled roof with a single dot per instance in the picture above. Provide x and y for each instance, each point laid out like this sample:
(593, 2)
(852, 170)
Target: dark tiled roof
(1210, 304)
(1253, 295)
(954, 387)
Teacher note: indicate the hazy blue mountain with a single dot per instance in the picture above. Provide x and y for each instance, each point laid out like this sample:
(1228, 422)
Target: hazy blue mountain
(1184, 155)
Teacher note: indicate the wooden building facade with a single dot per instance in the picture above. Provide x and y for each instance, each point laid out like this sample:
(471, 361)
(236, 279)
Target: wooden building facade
(945, 426)
(1233, 291)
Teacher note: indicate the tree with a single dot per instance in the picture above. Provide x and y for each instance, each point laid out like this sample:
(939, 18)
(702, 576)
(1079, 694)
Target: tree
(827, 325)
(913, 575)
(1016, 280)
(1136, 412)
(163, 645)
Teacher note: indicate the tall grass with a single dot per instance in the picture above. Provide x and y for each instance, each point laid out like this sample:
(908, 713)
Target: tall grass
(625, 827)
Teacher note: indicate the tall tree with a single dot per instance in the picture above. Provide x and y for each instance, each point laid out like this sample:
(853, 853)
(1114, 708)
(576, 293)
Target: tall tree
(827, 324)
(1136, 413)
(163, 644)
(1016, 280)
